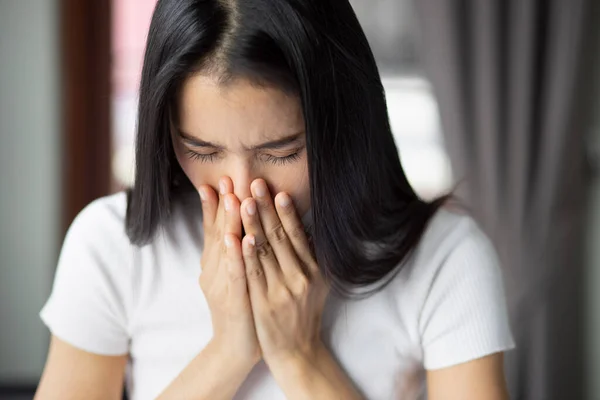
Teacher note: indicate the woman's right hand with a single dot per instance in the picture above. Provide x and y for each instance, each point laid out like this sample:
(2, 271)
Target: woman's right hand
(223, 277)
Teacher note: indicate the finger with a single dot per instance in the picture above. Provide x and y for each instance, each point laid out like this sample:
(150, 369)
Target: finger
(225, 186)
(210, 203)
(255, 276)
(294, 229)
(274, 230)
(266, 211)
(262, 248)
(232, 224)
(233, 221)
(210, 206)
(237, 288)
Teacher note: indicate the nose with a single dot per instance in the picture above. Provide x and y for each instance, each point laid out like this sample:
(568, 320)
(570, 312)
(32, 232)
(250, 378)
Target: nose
(242, 177)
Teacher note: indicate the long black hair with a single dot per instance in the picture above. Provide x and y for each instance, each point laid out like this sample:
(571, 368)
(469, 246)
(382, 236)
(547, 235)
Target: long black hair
(367, 218)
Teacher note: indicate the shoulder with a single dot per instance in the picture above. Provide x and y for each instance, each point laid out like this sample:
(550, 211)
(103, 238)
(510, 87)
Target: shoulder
(103, 223)
(97, 238)
(101, 276)
(452, 244)
(103, 218)
(452, 293)
(456, 260)
(91, 296)
(455, 242)
(449, 231)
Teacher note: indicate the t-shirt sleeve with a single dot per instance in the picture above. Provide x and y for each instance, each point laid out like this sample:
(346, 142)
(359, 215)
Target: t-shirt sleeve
(464, 316)
(87, 307)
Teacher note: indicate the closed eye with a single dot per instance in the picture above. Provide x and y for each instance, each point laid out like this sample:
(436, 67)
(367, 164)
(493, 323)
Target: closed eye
(206, 158)
(282, 160)
(203, 158)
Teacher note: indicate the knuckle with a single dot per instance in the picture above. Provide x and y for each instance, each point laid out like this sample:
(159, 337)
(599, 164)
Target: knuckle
(233, 277)
(263, 206)
(281, 297)
(213, 232)
(298, 231)
(264, 250)
(277, 234)
(266, 311)
(301, 285)
(254, 273)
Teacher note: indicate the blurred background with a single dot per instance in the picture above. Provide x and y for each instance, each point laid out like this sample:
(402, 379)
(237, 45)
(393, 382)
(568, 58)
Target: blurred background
(500, 98)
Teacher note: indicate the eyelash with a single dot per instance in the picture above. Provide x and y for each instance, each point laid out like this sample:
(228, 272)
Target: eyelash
(203, 158)
(206, 158)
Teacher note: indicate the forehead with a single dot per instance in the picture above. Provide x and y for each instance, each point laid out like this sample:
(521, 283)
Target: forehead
(240, 110)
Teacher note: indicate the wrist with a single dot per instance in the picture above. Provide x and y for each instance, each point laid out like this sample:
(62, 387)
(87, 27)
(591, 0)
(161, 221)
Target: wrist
(215, 373)
(298, 364)
(230, 360)
(311, 375)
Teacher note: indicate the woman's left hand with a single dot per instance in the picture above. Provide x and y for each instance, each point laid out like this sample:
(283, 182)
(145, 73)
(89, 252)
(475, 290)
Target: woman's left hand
(286, 288)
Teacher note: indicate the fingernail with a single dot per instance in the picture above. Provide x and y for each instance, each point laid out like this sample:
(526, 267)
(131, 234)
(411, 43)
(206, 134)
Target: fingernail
(251, 208)
(228, 205)
(283, 200)
(260, 189)
(202, 194)
(222, 187)
(228, 242)
(251, 240)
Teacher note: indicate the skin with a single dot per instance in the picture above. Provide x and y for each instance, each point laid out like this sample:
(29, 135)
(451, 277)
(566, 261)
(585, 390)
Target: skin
(237, 119)
(264, 288)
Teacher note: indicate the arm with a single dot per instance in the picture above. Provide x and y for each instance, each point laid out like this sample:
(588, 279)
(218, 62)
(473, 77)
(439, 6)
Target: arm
(304, 378)
(71, 373)
(212, 374)
(478, 379)
(464, 324)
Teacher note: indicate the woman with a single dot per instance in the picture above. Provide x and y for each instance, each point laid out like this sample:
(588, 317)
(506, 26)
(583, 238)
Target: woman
(266, 168)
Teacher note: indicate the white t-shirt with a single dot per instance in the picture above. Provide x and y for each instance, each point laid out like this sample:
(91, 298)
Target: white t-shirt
(445, 307)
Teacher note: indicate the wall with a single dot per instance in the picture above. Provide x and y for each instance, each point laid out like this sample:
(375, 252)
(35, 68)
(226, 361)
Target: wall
(29, 181)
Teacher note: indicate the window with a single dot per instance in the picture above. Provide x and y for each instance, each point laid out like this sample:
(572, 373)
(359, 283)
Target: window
(391, 28)
(131, 20)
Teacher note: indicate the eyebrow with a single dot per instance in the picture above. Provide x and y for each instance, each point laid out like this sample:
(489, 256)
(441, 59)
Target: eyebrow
(270, 145)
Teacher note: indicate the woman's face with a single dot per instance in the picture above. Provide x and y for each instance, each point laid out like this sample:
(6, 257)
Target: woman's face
(244, 132)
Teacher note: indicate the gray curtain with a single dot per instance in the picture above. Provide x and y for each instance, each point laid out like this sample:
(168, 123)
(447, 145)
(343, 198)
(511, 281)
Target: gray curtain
(509, 79)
